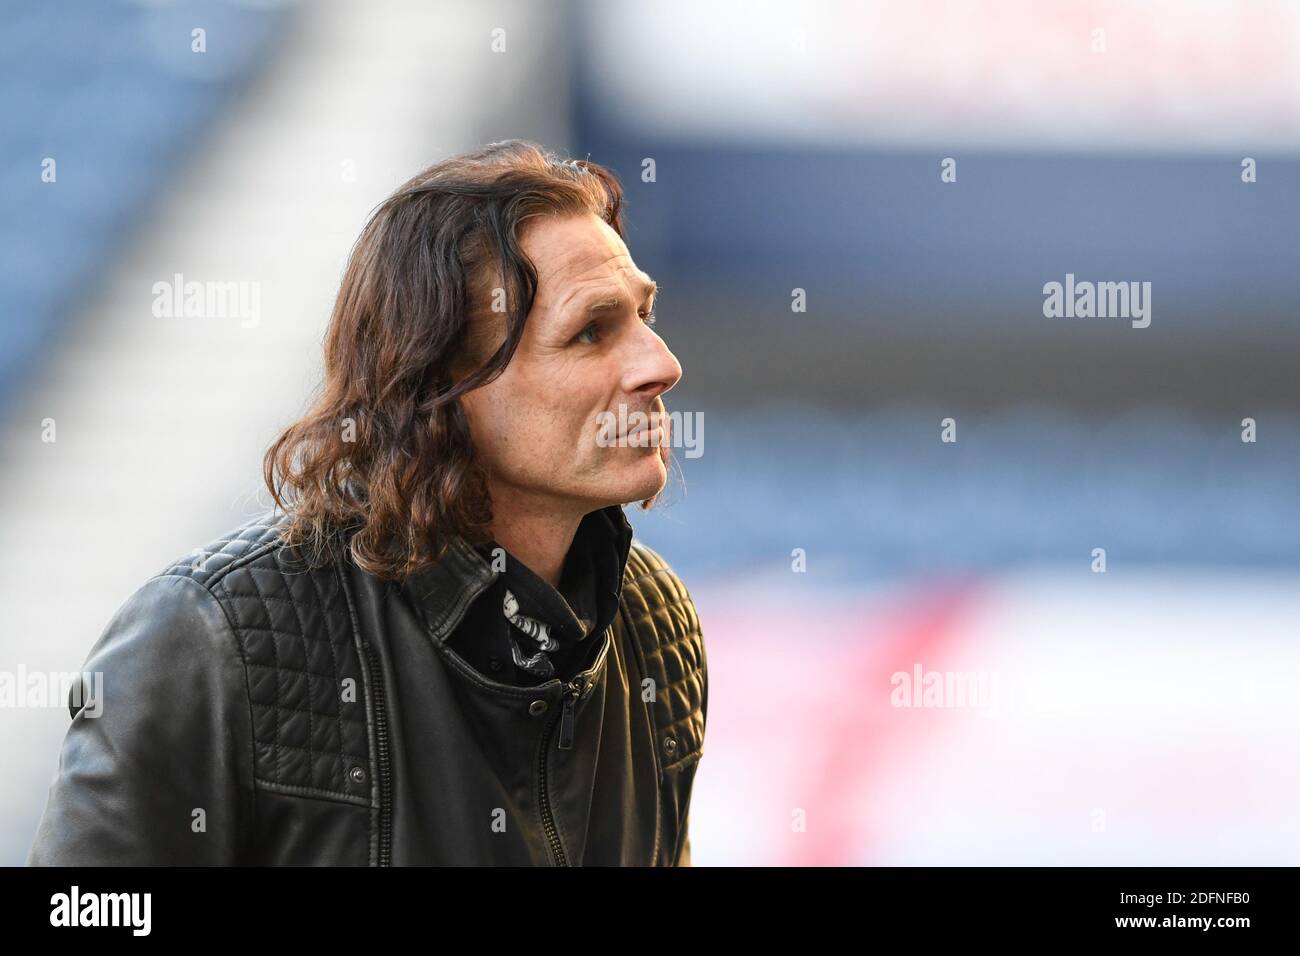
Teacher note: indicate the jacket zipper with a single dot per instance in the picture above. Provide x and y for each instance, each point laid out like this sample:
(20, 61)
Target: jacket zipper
(381, 746)
(572, 691)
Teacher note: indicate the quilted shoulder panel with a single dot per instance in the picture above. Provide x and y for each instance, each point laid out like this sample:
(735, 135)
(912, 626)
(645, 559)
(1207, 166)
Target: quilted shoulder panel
(295, 629)
(662, 616)
(206, 563)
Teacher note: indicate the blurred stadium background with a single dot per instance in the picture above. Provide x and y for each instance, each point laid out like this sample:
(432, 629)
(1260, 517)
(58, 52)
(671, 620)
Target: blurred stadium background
(1145, 715)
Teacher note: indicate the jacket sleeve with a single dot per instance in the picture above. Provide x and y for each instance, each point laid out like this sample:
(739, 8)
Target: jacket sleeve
(156, 768)
(685, 858)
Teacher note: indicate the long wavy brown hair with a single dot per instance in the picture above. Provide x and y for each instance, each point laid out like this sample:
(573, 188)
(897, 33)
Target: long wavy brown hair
(384, 452)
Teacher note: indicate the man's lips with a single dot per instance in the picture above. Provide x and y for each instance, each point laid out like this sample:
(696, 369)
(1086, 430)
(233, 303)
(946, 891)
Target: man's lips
(655, 437)
(654, 424)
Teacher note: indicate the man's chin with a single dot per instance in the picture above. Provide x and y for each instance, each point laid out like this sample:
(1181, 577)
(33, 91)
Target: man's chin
(655, 487)
(651, 477)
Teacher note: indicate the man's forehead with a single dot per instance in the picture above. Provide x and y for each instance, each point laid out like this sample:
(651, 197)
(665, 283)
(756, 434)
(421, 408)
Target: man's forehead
(602, 291)
(580, 257)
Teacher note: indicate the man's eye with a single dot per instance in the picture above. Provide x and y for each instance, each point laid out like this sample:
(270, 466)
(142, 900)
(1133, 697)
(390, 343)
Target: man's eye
(589, 334)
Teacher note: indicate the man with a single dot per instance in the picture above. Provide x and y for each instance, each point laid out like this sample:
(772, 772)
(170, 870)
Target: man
(443, 646)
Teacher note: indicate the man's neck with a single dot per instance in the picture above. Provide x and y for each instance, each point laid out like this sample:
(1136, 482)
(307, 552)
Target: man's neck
(538, 534)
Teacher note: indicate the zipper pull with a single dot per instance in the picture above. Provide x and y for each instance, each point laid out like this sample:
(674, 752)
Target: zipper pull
(571, 694)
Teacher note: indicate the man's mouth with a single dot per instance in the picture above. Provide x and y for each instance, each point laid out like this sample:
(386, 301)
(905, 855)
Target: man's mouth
(651, 435)
(634, 428)
(653, 422)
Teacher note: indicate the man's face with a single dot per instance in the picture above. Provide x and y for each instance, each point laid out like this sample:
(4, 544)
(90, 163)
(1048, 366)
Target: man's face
(541, 426)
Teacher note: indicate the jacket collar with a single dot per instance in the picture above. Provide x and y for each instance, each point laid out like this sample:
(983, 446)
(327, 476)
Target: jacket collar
(444, 590)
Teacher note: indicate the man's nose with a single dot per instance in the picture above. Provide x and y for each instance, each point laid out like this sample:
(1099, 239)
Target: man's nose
(653, 369)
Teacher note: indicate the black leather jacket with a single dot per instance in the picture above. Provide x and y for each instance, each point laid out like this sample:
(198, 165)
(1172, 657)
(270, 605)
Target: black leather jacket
(257, 711)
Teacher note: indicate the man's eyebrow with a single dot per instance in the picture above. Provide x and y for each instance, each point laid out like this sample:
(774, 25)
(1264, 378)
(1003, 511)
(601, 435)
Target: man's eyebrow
(608, 302)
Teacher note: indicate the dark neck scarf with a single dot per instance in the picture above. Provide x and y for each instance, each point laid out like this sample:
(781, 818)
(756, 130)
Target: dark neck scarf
(551, 630)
